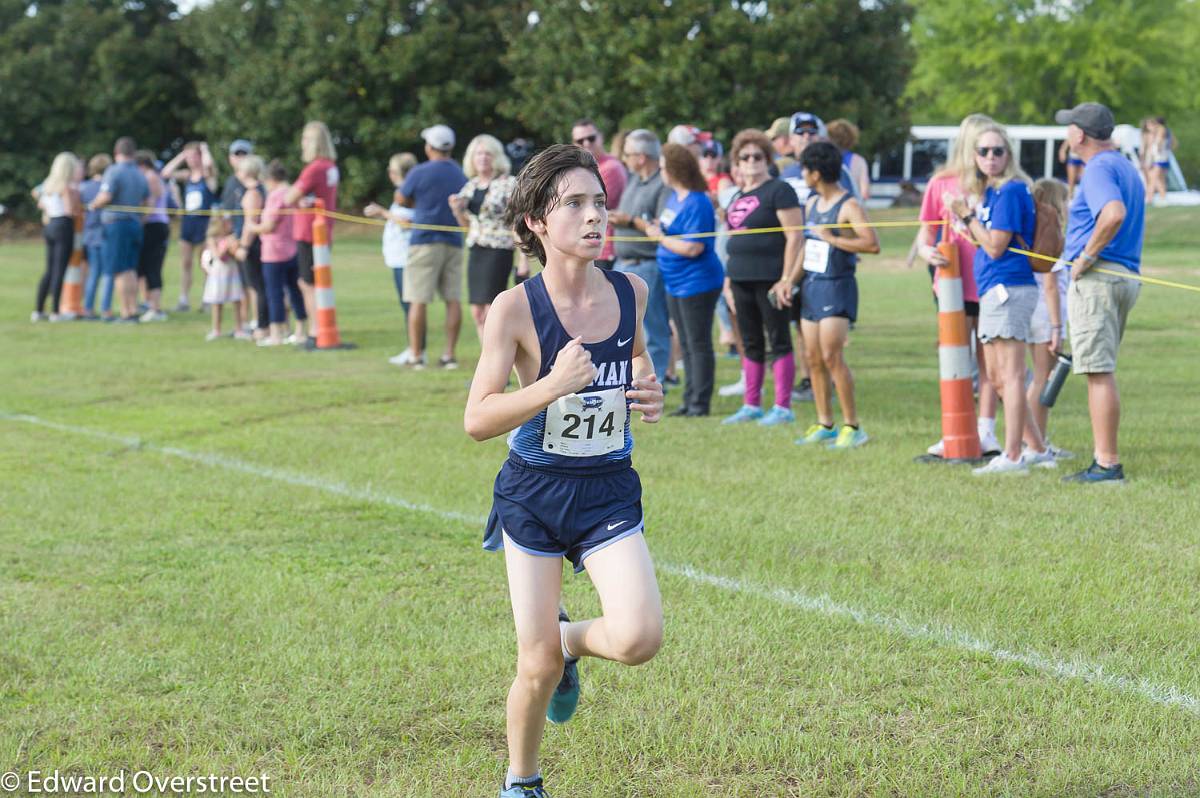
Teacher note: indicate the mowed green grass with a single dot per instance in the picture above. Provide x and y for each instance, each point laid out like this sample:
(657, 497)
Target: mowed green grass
(166, 614)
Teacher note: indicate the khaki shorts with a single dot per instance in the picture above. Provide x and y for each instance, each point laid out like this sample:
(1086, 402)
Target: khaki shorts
(1098, 305)
(433, 268)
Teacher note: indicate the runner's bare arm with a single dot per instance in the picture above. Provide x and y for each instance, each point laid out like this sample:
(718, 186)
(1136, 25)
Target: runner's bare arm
(492, 411)
(864, 238)
(647, 394)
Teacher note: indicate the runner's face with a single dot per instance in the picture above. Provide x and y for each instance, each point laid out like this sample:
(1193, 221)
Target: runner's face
(811, 178)
(576, 225)
(991, 154)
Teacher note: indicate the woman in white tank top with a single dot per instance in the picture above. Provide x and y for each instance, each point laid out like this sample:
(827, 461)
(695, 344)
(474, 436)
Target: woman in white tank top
(59, 201)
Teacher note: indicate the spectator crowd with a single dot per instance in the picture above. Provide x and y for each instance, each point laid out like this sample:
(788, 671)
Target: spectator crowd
(761, 239)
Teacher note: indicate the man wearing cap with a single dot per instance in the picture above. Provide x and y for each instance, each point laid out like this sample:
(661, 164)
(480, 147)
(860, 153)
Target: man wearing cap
(807, 128)
(435, 257)
(585, 134)
(1104, 247)
(691, 137)
(780, 134)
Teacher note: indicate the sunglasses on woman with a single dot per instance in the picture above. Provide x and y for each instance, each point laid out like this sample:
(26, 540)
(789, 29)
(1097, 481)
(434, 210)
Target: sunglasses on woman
(983, 152)
(751, 156)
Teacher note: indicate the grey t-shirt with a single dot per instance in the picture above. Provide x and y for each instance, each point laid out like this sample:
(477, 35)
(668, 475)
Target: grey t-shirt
(644, 199)
(128, 186)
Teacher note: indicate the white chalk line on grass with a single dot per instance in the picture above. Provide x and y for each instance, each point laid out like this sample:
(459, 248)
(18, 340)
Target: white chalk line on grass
(940, 634)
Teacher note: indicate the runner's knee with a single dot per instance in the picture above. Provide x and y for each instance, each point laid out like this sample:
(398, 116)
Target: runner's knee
(636, 643)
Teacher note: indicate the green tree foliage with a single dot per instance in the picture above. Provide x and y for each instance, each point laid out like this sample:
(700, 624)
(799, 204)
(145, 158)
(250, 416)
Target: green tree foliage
(722, 66)
(78, 73)
(375, 71)
(1019, 60)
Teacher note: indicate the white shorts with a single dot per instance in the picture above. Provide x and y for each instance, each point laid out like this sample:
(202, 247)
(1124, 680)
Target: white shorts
(1039, 326)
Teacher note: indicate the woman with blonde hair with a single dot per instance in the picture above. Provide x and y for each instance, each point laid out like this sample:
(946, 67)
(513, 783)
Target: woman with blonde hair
(480, 206)
(1004, 217)
(58, 200)
(959, 166)
(317, 181)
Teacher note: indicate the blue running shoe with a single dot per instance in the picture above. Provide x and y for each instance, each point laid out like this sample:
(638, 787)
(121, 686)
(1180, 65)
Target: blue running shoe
(534, 790)
(1096, 474)
(744, 414)
(566, 695)
(777, 415)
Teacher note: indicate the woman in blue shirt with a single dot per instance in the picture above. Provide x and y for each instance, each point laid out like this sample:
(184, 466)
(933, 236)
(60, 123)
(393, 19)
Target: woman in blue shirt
(691, 271)
(1004, 219)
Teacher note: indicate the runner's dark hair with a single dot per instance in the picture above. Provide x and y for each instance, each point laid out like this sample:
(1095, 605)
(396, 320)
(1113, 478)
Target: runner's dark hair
(539, 190)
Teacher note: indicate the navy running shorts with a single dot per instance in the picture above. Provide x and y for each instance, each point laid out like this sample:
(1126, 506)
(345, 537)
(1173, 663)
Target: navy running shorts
(556, 512)
(193, 229)
(821, 298)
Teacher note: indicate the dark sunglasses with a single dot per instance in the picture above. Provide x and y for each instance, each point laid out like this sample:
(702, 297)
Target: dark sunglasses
(586, 140)
(983, 152)
(711, 154)
(806, 131)
(751, 156)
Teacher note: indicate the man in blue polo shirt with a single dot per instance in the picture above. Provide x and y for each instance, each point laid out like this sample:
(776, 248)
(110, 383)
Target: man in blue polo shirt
(123, 186)
(1104, 246)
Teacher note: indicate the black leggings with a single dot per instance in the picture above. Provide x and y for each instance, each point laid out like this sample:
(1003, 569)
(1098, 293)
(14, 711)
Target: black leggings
(754, 312)
(154, 251)
(60, 239)
(252, 275)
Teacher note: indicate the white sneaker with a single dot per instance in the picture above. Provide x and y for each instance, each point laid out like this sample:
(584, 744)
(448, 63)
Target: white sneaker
(212, 335)
(938, 449)
(1043, 459)
(988, 442)
(269, 341)
(736, 389)
(1000, 464)
(35, 317)
(402, 359)
(1059, 454)
(154, 315)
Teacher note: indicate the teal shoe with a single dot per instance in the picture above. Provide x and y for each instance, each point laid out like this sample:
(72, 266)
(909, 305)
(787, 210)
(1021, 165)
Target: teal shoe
(566, 695)
(816, 434)
(744, 414)
(848, 438)
(777, 415)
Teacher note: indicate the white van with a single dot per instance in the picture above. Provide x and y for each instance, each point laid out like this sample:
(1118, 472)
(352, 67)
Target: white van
(1037, 149)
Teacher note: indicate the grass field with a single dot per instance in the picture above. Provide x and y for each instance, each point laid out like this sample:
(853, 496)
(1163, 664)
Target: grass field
(220, 559)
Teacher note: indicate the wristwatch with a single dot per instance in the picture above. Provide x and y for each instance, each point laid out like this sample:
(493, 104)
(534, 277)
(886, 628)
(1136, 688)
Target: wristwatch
(968, 218)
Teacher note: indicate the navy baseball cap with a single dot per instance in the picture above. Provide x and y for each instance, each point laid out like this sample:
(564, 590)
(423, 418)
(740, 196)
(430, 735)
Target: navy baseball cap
(241, 147)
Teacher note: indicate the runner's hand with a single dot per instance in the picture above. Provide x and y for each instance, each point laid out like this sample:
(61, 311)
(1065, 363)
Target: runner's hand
(573, 369)
(647, 398)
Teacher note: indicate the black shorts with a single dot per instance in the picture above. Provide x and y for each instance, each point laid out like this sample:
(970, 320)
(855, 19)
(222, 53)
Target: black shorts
(304, 257)
(487, 273)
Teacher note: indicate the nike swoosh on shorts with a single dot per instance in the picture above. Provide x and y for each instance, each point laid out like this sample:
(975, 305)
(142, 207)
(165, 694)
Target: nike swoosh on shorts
(611, 527)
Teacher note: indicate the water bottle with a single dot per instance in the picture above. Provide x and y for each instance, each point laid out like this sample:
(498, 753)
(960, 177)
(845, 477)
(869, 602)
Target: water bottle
(1057, 377)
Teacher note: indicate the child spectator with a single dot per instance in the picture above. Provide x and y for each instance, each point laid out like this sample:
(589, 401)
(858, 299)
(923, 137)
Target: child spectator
(93, 242)
(223, 284)
(281, 268)
(396, 236)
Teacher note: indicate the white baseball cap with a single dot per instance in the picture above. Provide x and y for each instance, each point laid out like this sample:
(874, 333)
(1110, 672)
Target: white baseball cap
(440, 137)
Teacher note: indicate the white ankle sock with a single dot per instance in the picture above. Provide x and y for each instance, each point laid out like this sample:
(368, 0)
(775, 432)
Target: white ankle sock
(562, 639)
(512, 778)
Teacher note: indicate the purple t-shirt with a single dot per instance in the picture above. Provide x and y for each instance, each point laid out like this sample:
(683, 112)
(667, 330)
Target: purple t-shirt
(1109, 176)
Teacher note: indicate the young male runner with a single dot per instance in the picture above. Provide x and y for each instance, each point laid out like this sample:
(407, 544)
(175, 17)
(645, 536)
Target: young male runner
(573, 333)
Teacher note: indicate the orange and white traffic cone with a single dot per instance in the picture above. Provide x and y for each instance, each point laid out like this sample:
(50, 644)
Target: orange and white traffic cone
(325, 313)
(70, 302)
(960, 434)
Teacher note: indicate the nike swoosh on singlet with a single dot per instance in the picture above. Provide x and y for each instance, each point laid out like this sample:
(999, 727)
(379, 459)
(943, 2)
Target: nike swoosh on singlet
(611, 527)
(622, 343)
